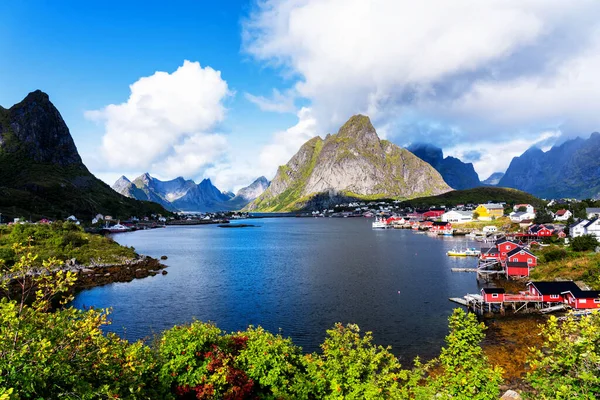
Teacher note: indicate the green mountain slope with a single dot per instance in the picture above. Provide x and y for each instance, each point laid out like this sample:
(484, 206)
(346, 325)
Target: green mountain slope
(352, 164)
(41, 172)
(478, 195)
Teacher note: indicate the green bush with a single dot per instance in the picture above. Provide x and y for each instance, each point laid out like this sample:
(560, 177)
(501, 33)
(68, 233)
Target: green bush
(554, 253)
(584, 243)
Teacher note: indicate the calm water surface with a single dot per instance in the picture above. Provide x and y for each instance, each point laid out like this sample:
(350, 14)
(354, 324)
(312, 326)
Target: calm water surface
(297, 276)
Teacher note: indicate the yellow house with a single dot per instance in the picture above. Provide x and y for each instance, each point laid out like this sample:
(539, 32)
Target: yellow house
(487, 211)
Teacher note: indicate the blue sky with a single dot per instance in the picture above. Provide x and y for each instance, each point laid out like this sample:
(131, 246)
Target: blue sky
(477, 78)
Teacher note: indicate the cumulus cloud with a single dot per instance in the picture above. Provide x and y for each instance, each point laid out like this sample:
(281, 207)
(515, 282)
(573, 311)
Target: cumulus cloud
(279, 102)
(167, 122)
(476, 71)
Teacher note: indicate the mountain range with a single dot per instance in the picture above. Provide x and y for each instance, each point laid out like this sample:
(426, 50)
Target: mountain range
(42, 174)
(493, 179)
(457, 174)
(185, 195)
(570, 170)
(351, 164)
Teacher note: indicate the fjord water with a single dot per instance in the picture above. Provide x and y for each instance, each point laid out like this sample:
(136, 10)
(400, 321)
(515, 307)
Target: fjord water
(297, 276)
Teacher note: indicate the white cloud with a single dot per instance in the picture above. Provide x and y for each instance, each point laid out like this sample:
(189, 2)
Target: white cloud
(496, 71)
(279, 102)
(286, 143)
(167, 122)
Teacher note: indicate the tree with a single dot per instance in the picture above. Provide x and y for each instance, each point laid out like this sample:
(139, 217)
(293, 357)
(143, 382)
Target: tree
(465, 372)
(522, 209)
(567, 365)
(475, 215)
(543, 217)
(584, 243)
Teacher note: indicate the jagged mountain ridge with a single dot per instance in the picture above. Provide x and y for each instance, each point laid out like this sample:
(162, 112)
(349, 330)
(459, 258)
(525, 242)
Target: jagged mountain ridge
(570, 170)
(185, 195)
(41, 171)
(352, 164)
(459, 175)
(493, 179)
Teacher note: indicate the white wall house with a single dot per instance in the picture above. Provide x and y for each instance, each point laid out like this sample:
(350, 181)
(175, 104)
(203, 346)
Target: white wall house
(520, 216)
(457, 216)
(586, 227)
(592, 213)
(562, 215)
(528, 208)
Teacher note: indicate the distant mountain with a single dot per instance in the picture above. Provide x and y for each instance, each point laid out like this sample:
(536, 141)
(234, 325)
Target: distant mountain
(352, 164)
(457, 174)
(184, 195)
(569, 170)
(42, 174)
(493, 179)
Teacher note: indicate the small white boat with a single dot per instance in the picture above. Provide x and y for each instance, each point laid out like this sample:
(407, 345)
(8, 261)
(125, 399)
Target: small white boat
(473, 252)
(117, 228)
(379, 223)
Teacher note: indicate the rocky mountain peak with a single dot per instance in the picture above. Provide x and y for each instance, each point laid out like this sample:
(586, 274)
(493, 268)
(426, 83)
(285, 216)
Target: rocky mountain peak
(254, 190)
(428, 152)
(39, 132)
(358, 127)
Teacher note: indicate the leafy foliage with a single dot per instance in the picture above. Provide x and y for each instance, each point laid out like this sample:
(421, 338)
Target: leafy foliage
(584, 243)
(567, 366)
(554, 253)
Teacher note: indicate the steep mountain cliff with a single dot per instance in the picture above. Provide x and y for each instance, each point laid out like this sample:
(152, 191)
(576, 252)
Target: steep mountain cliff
(569, 170)
(184, 195)
(457, 174)
(354, 163)
(493, 179)
(41, 172)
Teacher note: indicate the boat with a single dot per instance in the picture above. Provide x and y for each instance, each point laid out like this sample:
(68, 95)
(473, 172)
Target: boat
(116, 228)
(379, 223)
(457, 253)
(473, 252)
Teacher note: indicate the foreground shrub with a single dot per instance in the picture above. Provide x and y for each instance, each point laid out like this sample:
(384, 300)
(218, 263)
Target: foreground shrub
(584, 243)
(568, 364)
(464, 371)
(554, 253)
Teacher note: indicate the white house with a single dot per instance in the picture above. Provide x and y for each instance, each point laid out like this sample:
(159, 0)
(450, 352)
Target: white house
(592, 213)
(72, 218)
(586, 227)
(457, 216)
(562, 215)
(489, 229)
(528, 208)
(521, 216)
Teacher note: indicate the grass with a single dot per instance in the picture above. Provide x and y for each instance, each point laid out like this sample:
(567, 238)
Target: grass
(62, 240)
(576, 266)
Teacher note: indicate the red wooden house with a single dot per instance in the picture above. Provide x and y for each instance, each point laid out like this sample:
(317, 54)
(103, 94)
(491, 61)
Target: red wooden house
(551, 292)
(438, 226)
(582, 299)
(506, 246)
(490, 253)
(541, 230)
(493, 295)
(517, 269)
(521, 255)
(434, 213)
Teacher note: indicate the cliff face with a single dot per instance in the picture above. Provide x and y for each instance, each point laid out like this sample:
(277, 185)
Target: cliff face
(354, 163)
(457, 174)
(570, 170)
(41, 172)
(493, 179)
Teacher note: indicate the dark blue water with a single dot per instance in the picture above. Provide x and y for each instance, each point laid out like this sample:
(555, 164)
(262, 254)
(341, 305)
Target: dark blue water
(297, 276)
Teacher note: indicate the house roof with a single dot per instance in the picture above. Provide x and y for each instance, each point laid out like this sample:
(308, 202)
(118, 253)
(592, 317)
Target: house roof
(551, 287)
(440, 223)
(517, 264)
(518, 213)
(584, 294)
(493, 206)
(591, 222)
(489, 250)
(492, 290)
(592, 210)
(518, 250)
(561, 212)
(464, 213)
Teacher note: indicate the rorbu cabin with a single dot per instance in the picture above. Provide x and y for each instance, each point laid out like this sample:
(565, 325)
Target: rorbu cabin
(522, 255)
(493, 295)
(506, 246)
(552, 292)
(582, 299)
(517, 269)
(490, 253)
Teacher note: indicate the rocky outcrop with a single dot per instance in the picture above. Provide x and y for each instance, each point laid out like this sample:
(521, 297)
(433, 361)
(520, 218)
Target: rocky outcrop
(571, 170)
(493, 179)
(457, 174)
(41, 172)
(353, 164)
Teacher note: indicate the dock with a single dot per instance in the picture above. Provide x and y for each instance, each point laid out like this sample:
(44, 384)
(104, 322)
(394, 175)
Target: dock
(522, 302)
(464, 269)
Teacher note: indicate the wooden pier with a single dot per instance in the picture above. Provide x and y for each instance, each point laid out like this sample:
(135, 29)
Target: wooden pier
(517, 302)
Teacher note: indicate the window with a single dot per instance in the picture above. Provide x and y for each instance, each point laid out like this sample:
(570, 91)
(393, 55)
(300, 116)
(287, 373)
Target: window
(554, 296)
(596, 300)
(494, 295)
(515, 259)
(582, 301)
(529, 260)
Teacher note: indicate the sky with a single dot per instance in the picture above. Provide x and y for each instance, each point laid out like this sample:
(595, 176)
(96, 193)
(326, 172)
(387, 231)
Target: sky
(230, 90)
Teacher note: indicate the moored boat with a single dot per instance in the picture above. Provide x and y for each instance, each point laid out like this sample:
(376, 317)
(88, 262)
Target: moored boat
(379, 223)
